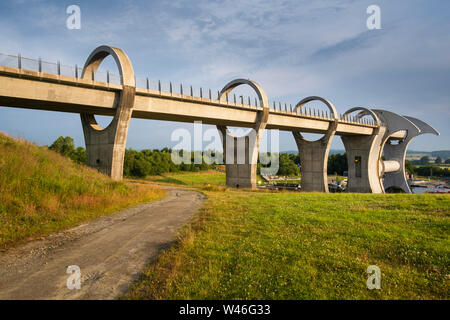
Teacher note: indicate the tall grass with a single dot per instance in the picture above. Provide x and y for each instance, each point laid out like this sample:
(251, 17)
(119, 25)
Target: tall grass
(43, 192)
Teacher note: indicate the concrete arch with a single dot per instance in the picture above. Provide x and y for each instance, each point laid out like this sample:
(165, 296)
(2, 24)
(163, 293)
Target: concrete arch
(241, 153)
(364, 111)
(333, 126)
(314, 154)
(423, 127)
(263, 116)
(125, 67)
(106, 147)
(306, 100)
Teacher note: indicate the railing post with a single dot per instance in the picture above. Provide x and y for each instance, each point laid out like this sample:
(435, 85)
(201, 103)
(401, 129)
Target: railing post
(40, 65)
(107, 76)
(19, 61)
(159, 86)
(59, 68)
(181, 88)
(210, 96)
(170, 88)
(76, 71)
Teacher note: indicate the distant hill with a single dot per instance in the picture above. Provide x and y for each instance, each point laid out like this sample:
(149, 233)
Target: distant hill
(444, 154)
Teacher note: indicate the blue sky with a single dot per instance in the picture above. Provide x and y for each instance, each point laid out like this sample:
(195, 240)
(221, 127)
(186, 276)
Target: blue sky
(293, 48)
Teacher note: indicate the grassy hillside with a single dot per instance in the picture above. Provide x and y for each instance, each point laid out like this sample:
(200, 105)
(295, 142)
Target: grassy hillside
(254, 245)
(43, 192)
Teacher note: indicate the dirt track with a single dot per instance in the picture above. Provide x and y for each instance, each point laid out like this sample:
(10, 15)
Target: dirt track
(110, 251)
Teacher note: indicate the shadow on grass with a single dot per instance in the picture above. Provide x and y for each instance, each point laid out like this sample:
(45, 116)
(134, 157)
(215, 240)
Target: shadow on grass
(170, 180)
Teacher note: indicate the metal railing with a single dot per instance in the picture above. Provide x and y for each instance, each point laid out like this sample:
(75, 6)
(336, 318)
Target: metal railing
(172, 88)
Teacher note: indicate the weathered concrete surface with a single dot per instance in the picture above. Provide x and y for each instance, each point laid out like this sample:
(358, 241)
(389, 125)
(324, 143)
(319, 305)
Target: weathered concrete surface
(110, 251)
(364, 142)
(314, 154)
(395, 148)
(241, 153)
(105, 148)
(34, 90)
(364, 152)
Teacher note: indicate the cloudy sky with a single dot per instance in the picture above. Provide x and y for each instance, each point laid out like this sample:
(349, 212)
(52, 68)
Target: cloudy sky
(293, 48)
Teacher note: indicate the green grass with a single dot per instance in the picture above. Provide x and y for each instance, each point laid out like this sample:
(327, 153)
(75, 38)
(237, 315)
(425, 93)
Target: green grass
(255, 245)
(191, 178)
(42, 192)
(287, 181)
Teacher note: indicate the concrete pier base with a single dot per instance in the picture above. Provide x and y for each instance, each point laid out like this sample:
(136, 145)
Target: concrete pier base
(105, 148)
(314, 160)
(314, 154)
(363, 156)
(241, 153)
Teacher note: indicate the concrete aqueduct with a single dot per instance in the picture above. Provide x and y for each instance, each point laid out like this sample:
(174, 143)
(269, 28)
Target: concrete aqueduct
(365, 141)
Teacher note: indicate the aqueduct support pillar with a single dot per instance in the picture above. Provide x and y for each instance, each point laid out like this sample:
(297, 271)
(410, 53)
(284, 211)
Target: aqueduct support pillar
(314, 154)
(363, 157)
(106, 147)
(241, 153)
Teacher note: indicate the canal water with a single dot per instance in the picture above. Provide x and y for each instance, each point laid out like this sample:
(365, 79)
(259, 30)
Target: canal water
(419, 189)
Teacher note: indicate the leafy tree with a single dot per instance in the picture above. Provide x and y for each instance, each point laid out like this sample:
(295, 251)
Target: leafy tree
(425, 160)
(438, 160)
(409, 167)
(434, 171)
(337, 163)
(64, 146)
(79, 155)
(287, 166)
(447, 161)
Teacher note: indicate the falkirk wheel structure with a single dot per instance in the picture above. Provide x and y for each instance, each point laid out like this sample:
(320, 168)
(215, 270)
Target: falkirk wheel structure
(376, 148)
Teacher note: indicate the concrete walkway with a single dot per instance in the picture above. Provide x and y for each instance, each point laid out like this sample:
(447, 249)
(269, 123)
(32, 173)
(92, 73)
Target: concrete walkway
(110, 251)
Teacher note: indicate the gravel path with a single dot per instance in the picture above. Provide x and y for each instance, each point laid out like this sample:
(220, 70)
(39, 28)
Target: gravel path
(110, 252)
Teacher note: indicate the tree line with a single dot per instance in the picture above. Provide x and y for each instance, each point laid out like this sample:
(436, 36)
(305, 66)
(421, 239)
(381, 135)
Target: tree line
(156, 162)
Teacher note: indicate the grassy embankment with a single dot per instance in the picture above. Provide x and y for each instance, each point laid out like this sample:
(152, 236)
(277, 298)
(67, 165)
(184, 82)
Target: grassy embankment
(255, 245)
(43, 192)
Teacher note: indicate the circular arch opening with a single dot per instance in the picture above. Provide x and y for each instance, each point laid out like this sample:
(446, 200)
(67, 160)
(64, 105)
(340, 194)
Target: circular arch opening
(243, 91)
(315, 107)
(107, 71)
(362, 114)
(116, 60)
